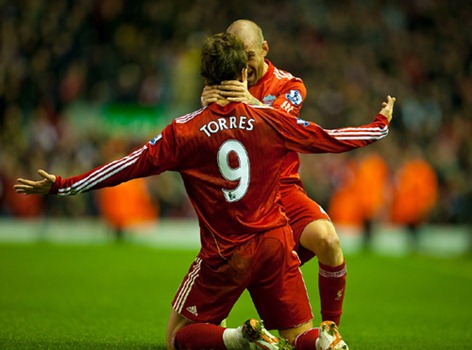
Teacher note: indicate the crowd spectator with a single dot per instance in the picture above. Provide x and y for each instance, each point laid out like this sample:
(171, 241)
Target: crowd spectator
(63, 62)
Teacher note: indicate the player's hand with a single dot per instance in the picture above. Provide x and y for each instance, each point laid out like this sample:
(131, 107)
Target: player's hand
(210, 95)
(387, 108)
(43, 186)
(237, 91)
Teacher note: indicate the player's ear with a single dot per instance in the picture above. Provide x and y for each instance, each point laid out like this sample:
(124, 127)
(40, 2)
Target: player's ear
(265, 48)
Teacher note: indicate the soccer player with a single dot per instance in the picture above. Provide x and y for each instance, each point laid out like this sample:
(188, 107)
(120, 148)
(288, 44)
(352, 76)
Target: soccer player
(229, 156)
(313, 231)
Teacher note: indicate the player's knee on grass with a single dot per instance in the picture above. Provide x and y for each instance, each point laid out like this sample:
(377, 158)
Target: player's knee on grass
(174, 324)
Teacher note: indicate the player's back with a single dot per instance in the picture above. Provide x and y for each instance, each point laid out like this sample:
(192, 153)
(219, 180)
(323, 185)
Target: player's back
(230, 159)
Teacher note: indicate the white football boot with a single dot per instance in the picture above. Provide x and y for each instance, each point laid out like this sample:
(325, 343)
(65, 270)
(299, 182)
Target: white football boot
(329, 337)
(260, 338)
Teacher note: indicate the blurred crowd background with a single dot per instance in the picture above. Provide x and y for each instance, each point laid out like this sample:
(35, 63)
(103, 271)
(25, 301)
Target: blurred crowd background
(84, 82)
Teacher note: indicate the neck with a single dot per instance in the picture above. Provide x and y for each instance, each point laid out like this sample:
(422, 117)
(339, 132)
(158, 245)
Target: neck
(266, 68)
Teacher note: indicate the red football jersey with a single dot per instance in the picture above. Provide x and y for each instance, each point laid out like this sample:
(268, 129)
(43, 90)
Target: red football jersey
(280, 89)
(230, 159)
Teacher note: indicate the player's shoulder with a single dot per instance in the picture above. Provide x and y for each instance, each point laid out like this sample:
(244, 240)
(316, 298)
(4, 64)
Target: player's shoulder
(288, 83)
(185, 126)
(189, 116)
(282, 74)
(268, 111)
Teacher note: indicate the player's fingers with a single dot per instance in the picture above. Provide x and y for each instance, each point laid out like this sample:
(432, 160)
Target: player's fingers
(231, 87)
(34, 188)
(23, 188)
(26, 182)
(231, 93)
(43, 173)
(211, 100)
(19, 190)
(231, 82)
(46, 175)
(213, 94)
(210, 89)
(235, 99)
(206, 95)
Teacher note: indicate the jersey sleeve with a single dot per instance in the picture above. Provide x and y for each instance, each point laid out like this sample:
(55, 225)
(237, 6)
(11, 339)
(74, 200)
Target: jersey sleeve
(153, 158)
(291, 97)
(307, 137)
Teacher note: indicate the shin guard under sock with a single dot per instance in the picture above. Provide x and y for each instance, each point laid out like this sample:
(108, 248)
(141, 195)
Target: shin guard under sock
(331, 284)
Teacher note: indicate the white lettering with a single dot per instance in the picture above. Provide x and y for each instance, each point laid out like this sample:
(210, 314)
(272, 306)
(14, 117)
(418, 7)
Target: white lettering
(214, 126)
(242, 122)
(232, 122)
(204, 129)
(250, 123)
(222, 123)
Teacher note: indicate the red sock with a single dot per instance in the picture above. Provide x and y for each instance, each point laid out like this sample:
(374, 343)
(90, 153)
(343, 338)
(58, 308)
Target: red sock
(332, 284)
(200, 336)
(307, 340)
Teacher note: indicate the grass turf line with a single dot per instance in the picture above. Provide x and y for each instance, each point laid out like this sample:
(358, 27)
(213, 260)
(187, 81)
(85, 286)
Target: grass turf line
(118, 297)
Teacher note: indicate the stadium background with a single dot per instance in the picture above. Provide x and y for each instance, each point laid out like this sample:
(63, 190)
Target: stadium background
(82, 82)
(85, 81)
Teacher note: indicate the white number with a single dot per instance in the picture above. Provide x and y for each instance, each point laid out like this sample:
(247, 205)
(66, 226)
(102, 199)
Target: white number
(241, 173)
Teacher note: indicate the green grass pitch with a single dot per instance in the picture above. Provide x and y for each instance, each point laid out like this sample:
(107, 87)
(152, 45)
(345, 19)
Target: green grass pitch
(118, 297)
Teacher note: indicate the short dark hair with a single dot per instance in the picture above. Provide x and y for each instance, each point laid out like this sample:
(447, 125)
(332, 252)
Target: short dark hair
(222, 58)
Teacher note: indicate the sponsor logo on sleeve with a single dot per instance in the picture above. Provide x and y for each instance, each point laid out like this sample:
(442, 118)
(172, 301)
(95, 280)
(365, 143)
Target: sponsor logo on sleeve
(295, 97)
(302, 122)
(154, 140)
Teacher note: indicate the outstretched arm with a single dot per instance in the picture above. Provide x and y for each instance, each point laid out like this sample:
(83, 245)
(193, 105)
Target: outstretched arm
(307, 137)
(132, 166)
(153, 158)
(348, 138)
(43, 186)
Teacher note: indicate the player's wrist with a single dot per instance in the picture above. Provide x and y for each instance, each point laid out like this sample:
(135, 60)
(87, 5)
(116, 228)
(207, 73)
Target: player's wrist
(254, 101)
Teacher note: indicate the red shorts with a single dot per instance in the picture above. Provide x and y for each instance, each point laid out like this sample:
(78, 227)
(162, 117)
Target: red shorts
(266, 266)
(301, 210)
